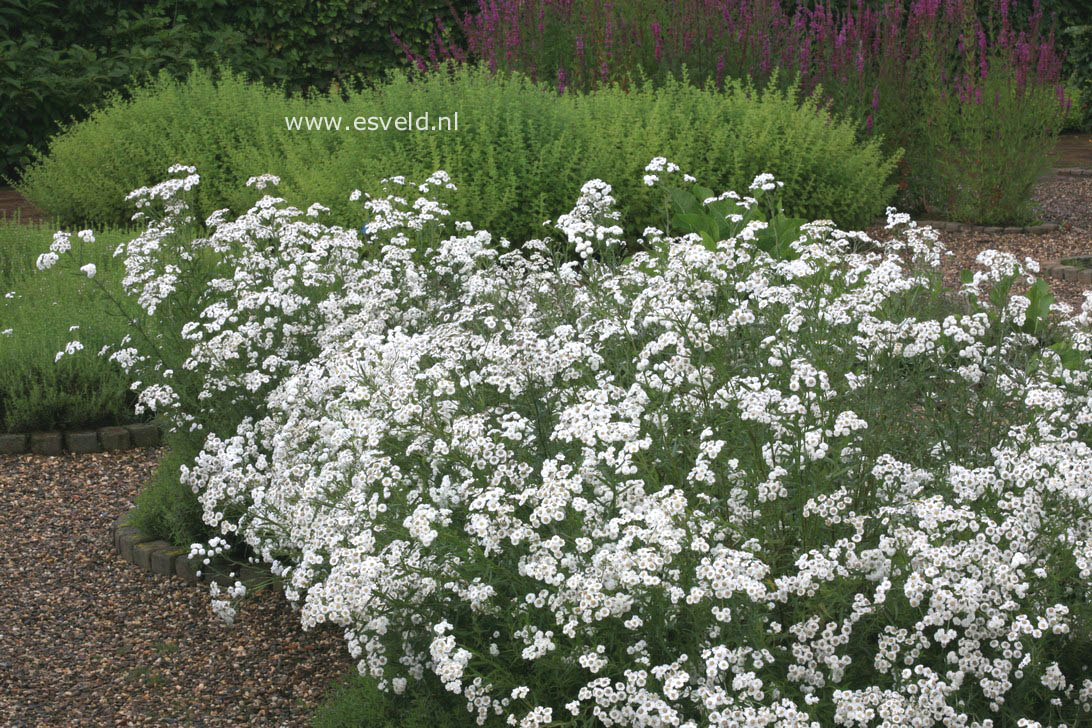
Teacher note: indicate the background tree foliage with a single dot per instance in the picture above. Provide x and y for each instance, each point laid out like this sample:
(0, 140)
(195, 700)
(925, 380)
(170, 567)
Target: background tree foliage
(59, 58)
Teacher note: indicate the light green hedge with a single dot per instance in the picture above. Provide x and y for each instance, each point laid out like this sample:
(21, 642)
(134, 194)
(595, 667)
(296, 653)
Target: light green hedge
(520, 153)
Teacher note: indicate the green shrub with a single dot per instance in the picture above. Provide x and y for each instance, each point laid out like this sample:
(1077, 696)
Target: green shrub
(1078, 106)
(38, 392)
(978, 162)
(60, 60)
(1078, 40)
(224, 127)
(165, 508)
(520, 153)
(356, 702)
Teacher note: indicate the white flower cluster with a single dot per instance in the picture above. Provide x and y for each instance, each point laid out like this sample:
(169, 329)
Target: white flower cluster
(661, 166)
(663, 487)
(583, 226)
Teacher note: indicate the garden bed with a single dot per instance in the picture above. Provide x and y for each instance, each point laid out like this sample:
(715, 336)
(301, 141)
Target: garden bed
(89, 639)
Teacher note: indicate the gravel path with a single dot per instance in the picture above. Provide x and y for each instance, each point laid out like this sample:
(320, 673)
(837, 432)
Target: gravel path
(1064, 200)
(87, 639)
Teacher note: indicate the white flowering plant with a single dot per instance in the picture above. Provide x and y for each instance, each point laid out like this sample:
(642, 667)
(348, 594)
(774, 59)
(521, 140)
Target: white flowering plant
(704, 485)
(221, 312)
(691, 208)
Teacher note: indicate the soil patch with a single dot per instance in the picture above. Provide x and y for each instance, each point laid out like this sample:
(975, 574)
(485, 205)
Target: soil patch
(13, 204)
(1074, 150)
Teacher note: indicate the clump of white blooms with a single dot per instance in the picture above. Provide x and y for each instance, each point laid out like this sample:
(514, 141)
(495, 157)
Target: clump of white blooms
(661, 166)
(584, 228)
(69, 349)
(661, 492)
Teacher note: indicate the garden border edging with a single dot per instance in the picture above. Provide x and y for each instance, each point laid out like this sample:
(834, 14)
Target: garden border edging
(102, 439)
(1072, 273)
(165, 559)
(963, 227)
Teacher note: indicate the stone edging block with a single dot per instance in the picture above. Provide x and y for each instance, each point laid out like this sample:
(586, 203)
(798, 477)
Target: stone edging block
(144, 434)
(82, 442)
(46, 443)
(961, 227)
(13, 444)
(165, 559)
(114, 438)
(1071, 273)
(1074, 171)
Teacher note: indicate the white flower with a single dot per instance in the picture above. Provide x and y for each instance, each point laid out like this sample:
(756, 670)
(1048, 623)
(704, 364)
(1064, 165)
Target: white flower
(69, 349)
(46, 260)
(61, 243)
(89, 270)
(466, 458)
(263, 180)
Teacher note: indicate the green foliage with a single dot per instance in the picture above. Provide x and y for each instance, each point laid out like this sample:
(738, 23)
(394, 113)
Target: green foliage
(81, 390)
(334, 41)
(356, 702)
(519, 156)
(1037, 320)
(1077, 40)
(522, 153)
(165, 508)
(977, 162)
(225, 127)
(61, 59)
(725, 218)
(1077, 115)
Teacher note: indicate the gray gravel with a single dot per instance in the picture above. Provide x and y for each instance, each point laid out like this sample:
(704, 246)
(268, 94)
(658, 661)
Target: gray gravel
(87, 639)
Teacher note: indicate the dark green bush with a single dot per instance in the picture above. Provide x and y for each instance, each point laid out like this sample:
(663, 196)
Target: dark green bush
(62, 58)
(519, 156)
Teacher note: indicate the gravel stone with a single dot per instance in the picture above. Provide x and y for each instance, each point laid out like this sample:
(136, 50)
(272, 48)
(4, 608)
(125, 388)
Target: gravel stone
(1061, 199)
(87, 639)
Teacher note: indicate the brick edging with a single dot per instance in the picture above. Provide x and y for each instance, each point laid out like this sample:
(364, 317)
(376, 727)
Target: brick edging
(165, 559)
(1058, 269)
(963, 227)
(103, 439)
(1043, 229)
